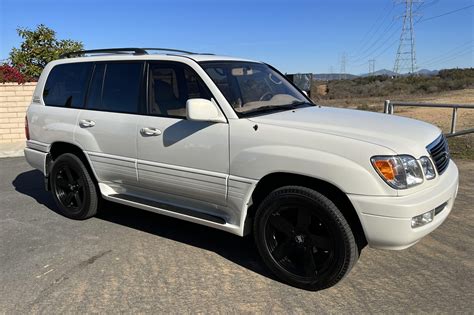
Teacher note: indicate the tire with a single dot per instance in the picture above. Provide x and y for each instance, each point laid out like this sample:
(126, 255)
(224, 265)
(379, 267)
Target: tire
(73, 188)
(304, 239)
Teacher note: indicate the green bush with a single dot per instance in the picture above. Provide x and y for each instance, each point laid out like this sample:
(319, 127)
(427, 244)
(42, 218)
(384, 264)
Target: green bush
(446, 80)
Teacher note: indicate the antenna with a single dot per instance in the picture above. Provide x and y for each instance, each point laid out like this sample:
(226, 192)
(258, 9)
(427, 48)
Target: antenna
(406, 53)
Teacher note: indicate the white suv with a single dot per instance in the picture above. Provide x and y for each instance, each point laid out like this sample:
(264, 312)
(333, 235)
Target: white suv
(232, 144)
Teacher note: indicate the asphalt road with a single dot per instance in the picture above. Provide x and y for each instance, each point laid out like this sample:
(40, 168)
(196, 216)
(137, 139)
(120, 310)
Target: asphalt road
(130, 260)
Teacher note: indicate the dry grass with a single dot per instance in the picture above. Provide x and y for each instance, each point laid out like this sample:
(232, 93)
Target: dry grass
(461, 147)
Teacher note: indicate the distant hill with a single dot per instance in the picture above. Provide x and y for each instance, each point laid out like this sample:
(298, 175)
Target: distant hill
(333, 76)
(348, 76)
(387, 86)
(428, 73)
(381, 72)
(422, 72)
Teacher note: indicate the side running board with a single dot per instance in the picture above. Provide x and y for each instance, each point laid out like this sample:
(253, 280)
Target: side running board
(164, 206)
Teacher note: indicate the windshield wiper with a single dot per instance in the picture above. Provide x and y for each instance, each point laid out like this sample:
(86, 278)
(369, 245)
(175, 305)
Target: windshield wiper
(298, 103)
(269, 108)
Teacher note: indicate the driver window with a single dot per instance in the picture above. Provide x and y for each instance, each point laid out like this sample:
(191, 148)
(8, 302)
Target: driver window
(170, 86)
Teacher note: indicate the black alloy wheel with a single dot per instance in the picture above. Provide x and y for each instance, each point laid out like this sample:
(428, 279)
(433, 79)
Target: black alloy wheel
(298, 241)
(74, 191)
(303, 238)
(69, 188)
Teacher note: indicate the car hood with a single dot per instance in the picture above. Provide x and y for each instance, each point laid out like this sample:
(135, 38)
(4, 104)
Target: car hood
(400, 134)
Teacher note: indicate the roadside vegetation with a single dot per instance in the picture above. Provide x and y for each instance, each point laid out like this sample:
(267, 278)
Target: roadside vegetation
(449, 86)
(446, 80)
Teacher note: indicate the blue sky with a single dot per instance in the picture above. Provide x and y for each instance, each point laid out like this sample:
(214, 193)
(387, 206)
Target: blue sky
(293, 35)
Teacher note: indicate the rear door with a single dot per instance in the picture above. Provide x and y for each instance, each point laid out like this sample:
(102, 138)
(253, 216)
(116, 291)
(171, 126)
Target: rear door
(106, 128)
(63, 95)
(179, 158)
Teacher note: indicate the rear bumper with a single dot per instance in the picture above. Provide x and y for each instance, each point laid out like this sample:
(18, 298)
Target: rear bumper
(387, 220)
(37, 159)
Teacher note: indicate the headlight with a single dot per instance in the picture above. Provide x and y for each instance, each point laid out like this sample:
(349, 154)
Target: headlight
(428, 168)
(400, 171)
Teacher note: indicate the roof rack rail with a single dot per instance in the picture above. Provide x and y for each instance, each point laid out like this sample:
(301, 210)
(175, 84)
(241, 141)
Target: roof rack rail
(136, 51)
(178, 50)
(171, 50)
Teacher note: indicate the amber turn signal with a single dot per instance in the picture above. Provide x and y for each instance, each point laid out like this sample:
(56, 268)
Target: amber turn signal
(385, 168)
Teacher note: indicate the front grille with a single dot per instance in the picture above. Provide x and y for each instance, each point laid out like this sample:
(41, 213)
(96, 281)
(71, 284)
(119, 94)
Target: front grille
(439, 152)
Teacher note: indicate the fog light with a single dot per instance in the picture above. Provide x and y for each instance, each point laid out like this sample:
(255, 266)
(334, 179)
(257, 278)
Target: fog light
(422, 219)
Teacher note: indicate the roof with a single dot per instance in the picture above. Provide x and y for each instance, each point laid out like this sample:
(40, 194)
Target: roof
(205, 57)
(142, 54)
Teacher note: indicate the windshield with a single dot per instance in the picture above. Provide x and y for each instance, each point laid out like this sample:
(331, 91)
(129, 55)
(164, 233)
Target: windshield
(253, 87)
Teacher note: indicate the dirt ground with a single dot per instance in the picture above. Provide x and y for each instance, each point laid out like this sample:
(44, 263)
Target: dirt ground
(462, 146)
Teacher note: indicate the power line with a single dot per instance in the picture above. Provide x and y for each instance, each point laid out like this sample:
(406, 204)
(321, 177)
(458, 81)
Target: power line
(450, 52)
(426, 5)
(450, 57)
(381, 53)
(377, 48)
(381, 19)
(363, 54)
(447, 13)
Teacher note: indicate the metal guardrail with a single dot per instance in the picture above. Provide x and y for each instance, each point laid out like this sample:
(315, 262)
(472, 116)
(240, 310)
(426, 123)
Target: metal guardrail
(390, 105)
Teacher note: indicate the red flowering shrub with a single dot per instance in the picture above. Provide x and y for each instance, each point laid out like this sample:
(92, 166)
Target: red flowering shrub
(11, 74)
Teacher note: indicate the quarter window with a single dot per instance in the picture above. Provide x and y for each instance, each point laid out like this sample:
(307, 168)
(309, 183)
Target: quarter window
(67, 84)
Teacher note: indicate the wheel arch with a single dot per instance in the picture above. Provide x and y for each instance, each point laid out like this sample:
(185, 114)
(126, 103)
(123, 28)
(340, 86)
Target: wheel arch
(60, 147)
(272, 181)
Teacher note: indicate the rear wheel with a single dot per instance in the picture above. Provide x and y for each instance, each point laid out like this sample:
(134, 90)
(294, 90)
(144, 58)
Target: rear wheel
(73, 189)
(303, 238)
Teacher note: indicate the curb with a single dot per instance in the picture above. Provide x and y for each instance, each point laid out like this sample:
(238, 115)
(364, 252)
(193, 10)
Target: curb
(14, 149)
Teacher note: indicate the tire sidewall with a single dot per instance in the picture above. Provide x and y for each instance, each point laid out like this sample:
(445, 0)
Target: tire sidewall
(76, 164)
(324, 209)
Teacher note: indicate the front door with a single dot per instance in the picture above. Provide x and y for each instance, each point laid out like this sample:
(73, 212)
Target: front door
(179, 158)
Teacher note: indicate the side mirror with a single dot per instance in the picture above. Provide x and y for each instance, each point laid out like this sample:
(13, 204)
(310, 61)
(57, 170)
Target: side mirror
(200, 109)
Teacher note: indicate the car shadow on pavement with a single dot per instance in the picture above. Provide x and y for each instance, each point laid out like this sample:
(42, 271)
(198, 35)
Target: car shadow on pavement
(241, 251)
(31, 183)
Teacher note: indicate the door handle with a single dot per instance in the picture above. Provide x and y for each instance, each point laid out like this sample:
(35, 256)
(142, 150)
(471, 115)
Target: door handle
(149, 131)
(85, 123)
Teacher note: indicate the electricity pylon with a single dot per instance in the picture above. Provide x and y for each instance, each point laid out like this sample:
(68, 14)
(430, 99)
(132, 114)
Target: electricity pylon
(406, 53)
(371, 67)
(342, 74)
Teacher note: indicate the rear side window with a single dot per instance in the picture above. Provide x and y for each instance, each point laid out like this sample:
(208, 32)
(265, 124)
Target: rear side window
(115, 87)
(67, 84)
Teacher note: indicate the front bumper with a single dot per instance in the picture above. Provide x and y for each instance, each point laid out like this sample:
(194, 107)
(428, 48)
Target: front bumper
(387, 220)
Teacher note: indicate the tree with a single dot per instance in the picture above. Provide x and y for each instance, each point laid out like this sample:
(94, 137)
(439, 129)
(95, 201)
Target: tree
(10, 74)
(39, 47)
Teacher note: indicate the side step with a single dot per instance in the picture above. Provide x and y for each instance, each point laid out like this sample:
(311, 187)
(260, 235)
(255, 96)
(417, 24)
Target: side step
(164, 206)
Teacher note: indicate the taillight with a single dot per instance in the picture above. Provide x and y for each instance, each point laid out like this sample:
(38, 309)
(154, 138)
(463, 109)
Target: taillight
(27, 130)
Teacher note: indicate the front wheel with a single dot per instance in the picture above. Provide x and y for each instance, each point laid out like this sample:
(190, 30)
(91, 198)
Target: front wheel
(303, 238)
(73, 189)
